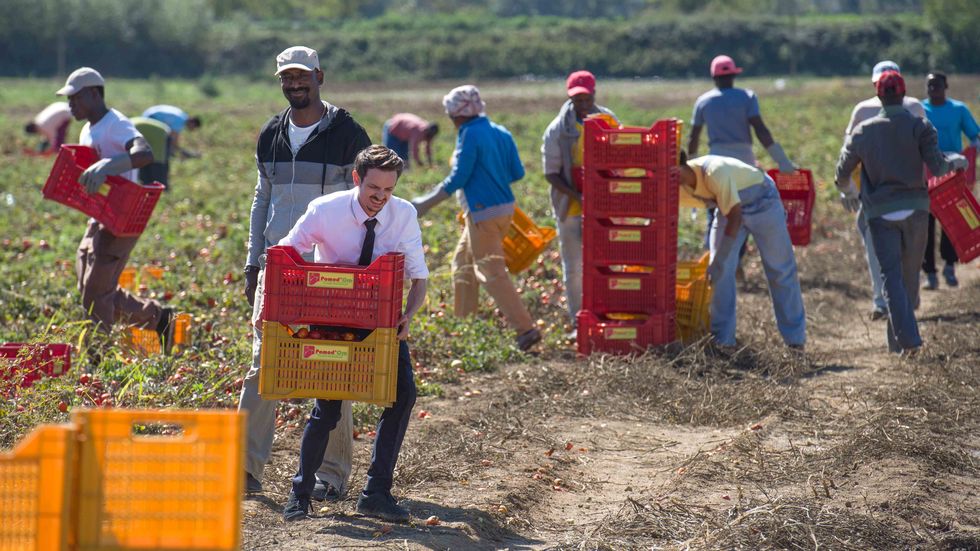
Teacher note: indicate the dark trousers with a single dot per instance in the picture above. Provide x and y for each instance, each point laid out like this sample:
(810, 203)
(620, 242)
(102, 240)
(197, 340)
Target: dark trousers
(899, 247)
(946, 250)
(387, 442)
(155, 172)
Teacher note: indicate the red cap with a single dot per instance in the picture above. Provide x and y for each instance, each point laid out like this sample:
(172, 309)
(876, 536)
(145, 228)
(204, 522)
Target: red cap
(580, 82)
(890, 80)
(724, 65)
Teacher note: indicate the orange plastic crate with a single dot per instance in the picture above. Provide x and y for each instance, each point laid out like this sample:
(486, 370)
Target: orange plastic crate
(693, 299)
(798, 195)
(159, 491)
(146, 341)
(36, 497)
(364, 371)
(952, 202)
(127, 279)
(524, 242)
(122, 206)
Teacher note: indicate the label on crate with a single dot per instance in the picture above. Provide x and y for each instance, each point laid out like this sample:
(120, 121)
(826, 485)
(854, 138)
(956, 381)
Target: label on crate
(626, 139)
(625, 187)
(966, 211)
(330, 280)
(683, 274)
(620, 333)
(625, 284)
(630, 236)
(326, 352)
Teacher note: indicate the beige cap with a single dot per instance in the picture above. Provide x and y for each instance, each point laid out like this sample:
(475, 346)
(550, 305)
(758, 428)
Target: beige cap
(81, 78)
(297, 57)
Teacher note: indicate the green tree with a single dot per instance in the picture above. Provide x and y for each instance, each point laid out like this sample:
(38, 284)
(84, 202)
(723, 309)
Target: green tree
(957, 24)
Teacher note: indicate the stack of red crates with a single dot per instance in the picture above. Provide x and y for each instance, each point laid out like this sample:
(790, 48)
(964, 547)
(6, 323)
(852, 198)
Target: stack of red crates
(629, 237)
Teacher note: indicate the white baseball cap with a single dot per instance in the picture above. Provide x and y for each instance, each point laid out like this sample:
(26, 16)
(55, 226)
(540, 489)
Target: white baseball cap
(883, 66)
(82, 77)
(297, 57)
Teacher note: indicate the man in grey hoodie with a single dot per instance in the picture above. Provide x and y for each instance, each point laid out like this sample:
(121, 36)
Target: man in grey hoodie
(304, 152)
(561, 155)
(892, 148)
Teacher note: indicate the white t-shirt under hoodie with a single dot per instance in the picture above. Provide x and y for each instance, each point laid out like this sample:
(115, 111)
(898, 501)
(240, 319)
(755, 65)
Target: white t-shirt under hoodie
(109, 137)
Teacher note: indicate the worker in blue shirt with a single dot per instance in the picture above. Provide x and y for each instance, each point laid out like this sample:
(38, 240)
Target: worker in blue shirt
(952, 120)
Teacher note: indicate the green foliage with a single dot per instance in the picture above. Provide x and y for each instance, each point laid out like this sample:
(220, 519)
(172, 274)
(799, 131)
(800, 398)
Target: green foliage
(957, 25)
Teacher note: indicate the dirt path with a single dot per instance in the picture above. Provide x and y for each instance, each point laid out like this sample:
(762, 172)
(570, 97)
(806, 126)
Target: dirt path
(849, 448)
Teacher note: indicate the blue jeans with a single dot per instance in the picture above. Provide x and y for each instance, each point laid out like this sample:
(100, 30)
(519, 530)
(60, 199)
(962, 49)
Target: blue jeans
(388, 439)
(764, 218)
(398, 146)
(900, 246)
(874, 269)
(570, 244)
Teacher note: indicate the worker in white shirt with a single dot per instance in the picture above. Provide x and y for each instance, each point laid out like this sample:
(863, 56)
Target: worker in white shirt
(355, 227)
(52, 124)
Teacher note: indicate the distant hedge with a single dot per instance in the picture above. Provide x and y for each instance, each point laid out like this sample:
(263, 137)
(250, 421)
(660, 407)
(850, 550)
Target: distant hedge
(180, 38)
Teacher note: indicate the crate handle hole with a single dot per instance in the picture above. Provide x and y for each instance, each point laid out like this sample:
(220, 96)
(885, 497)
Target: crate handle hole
(158, 429)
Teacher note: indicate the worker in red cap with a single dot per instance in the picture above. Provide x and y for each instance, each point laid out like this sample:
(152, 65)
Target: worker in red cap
(892, 147)
(561, 155)
(731, 113)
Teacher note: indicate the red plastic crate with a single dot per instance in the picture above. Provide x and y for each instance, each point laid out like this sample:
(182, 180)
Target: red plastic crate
(33, 361)
(971, 168)
(299, 292)
(600, 334)
(607, 244)
(607, 147)
(654, 196)
(605, 290)
(952, 202)
(798, 194)
(122, 206)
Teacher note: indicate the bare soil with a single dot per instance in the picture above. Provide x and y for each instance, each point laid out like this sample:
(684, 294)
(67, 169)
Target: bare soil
(847, 447)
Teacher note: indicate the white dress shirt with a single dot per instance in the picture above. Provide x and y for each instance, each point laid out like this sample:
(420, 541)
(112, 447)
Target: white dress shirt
(333, 226)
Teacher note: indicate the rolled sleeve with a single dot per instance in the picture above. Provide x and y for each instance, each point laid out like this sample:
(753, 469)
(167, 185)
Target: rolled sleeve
(411, 247)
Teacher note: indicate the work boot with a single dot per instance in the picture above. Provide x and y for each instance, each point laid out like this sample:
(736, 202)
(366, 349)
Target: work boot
(297, 507)
(382, 505)
(528, 339)
(252, 484)
(949, 274)
(325, 491)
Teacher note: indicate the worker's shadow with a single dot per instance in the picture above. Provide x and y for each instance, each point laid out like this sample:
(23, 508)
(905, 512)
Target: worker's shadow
(458, 528)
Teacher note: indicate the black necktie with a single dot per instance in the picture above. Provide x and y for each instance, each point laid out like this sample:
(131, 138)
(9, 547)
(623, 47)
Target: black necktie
(367, 249)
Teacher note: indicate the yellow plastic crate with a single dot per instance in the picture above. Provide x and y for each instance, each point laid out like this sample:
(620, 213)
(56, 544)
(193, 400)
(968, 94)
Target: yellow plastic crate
(365, 371)
(159, 491)
(36, 481)
(127, 279)
(524, 242)
(693, 299)
(147, 342)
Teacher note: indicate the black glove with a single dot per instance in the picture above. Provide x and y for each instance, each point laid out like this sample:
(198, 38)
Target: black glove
(251, 283)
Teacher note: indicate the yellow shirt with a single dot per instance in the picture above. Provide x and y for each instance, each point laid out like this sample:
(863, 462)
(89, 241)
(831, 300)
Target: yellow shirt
(578, 153)
(719, 179)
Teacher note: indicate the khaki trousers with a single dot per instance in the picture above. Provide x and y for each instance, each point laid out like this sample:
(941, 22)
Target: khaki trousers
(336, 465)
(479, 259)
(100, 259)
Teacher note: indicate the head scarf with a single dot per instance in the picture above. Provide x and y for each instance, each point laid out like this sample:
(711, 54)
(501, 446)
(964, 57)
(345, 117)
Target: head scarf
(464, 101)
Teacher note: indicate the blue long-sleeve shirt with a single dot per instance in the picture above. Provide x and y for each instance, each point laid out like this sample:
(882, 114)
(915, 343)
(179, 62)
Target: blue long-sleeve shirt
(952, 119)
(486, 164)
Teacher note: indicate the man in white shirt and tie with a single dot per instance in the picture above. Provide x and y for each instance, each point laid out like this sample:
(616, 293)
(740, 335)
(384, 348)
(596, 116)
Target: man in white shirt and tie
(349, 227)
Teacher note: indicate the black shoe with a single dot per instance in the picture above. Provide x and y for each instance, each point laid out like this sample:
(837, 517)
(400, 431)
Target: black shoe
(326, 491)
(297, 507)
(252, 484)
(165, 329)
(528, 339)
(382, 505)
(877, 314)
